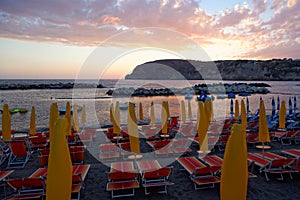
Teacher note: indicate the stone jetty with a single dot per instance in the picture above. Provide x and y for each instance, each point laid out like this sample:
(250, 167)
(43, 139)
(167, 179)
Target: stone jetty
(218, 88)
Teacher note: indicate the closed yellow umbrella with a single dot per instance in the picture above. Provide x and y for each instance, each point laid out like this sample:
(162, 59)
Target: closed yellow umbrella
(68, 117)
(75, 118)
(243, 114)
(207, 108)
(141, 114)
(282, 115)
(263, 131)
(189, 110)
(167, 109)
(164, 117)
(59, 175)
(116, 127)
(234, 176)
(32, 128)
(133, 129)
(236, 110)
(53, 116)
(183, 112)
(6, 123)
(83, 114)
(202, 129)
(111, 113)
(152, 114)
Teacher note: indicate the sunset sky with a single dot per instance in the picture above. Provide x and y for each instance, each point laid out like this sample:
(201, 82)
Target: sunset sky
(107, 38)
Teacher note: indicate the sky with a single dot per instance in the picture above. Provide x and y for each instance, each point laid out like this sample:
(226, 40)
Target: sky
(108, 38)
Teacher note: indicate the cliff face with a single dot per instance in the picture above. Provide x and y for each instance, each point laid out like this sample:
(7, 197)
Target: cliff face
(175, 69)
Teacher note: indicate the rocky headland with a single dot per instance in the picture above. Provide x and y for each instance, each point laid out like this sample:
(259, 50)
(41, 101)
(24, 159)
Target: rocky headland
(250, 70)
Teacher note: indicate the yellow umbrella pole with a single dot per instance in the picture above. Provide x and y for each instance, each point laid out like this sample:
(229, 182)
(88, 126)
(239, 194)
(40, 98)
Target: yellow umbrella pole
(83, 115)
(234, 176)
(164, 118)
(190, 110)
(133, 130)
(116, 128)
(59, 175)
(263, 130)
(236, 110)
(152, 115)
(6, 124)
(243, 115)
(282, 115)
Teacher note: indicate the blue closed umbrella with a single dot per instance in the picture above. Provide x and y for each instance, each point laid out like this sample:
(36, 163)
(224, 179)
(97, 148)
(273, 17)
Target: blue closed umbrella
(278, 103)
(231, 107)
(247, 105)
(295, 104)
(290, 106)
(273, 106)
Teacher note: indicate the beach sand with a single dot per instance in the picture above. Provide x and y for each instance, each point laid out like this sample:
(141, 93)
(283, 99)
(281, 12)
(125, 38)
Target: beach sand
(96, 180)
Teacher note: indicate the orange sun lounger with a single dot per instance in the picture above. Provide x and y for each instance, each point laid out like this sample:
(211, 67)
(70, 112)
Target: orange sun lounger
(200, 174)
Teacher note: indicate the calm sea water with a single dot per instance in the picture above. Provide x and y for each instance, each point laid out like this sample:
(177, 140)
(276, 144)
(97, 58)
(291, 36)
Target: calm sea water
(97, 102)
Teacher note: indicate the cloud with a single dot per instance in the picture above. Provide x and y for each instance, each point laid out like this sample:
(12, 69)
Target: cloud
(90, 22)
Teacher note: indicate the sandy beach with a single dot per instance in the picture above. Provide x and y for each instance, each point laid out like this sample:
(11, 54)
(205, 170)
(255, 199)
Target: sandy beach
(96, 180)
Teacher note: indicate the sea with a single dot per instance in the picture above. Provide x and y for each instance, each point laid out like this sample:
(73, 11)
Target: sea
(97, 102)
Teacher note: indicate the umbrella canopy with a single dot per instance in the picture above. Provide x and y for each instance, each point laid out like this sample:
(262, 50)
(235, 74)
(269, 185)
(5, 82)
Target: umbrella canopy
(290, 106)
(282, 115)
(167, 109)
(247, 105)
(189, 110)
(183, 112)
(273, 107)
(111, 113)
(234, 176)
(263, 131)
(278, 103)
(116, 127)
(32, 128)
(83, 114)
(6, 124)
(141, 115)
(59, 175)
(236, 110)
(295, 104)
(68, 117)
(164, 117)
(231, 107)
(75, 119)
(202, 128)
(152, 114)
(243, 115)
(53, 117)
(133, 129)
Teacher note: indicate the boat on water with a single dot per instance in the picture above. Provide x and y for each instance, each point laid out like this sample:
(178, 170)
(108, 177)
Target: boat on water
(63, 110)
(231, 96)
(188, 96)
(17, 110)
(244, 94)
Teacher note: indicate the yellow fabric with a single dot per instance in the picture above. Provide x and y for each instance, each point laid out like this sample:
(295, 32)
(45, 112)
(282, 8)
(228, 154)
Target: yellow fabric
(152, 114)
(189, 110)
(202, 128)
(6, 123)
(164, 117)
(282, 115)
(53, 117)
(236, 110)
(116, 127)
(167, 109)
(234, 176)
(83, 115)
(68, 117)
(32, 127)
(59, 175)
(133, 129)
(243, 115)
(183, 112)
(111, 113)
(141, 115)
(75, 119)
(263, 131)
